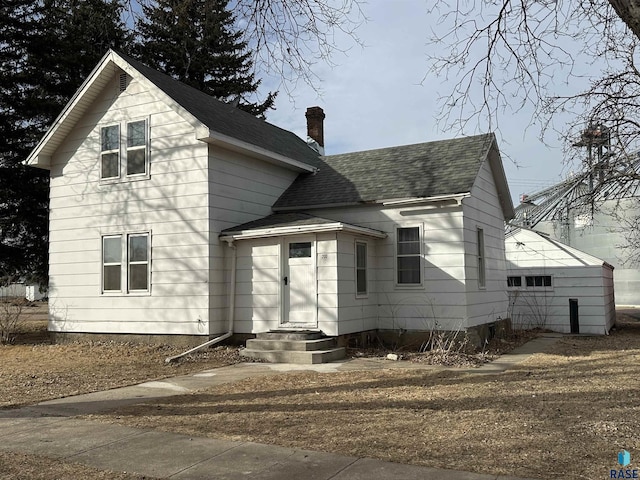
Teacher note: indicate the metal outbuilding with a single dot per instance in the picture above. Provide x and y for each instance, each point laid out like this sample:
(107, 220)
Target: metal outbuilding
(557, 287)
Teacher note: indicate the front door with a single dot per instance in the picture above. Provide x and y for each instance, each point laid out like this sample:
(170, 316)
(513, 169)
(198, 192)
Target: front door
(299, 283)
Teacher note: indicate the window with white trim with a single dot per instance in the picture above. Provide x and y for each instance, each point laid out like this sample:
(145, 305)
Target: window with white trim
(112, 263)
(408, 256)
(538, 281)
(481, 259)
(110, 152)
(137, 148)
(515, 281)
(125, 263)
(361, 269)
(138, 266)
(124, 153)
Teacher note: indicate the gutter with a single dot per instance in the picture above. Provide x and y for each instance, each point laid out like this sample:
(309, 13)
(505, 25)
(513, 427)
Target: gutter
(231, 316)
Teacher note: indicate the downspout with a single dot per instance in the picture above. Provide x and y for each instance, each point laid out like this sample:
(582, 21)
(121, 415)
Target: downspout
(232, 307)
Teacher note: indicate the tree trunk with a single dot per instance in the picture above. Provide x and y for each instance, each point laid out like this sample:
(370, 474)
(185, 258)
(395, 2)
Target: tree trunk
(629, 12)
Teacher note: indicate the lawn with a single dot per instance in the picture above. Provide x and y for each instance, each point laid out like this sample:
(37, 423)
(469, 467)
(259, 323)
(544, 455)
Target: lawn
(561, 414)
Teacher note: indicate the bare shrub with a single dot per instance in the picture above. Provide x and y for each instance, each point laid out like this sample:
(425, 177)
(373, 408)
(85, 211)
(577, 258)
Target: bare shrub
(11, 318)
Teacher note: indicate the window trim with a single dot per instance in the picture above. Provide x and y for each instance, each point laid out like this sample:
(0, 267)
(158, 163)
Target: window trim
(123, 151)
(419, 255)
(134, 148)
(361, 293)
(519, 277)
(542, 281)
(147, 262)
(125, 263)
(481, 257)
(110, 264)
(109, 152)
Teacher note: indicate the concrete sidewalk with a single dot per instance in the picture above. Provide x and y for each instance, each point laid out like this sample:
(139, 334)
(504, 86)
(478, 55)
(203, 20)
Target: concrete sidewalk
(49, 429)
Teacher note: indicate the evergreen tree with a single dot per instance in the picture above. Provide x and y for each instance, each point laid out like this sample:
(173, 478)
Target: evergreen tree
(47, 49)
(195, 42)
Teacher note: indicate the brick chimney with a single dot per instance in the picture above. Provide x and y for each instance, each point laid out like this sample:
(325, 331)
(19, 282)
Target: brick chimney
(315, 124)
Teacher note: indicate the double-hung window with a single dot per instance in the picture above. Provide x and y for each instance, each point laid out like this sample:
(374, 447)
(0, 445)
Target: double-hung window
(408, 256)
(361, 269)
(112, 263)
(110, 152)
(137, 148)
(128, 152)
(125, 263)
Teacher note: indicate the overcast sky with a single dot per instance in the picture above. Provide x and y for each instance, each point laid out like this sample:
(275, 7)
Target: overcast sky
(376, 97)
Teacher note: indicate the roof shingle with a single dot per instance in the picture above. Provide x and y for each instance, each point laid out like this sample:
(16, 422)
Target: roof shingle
(412, 171)
(229, 120)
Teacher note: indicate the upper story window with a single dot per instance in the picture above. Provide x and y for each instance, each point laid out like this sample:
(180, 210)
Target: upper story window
(110, 152)
(128, 152)
(408, 256)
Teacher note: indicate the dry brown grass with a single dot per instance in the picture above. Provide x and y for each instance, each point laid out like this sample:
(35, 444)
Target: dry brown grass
(565, 413)
(18, 466)
(562, 414)
(34, 370)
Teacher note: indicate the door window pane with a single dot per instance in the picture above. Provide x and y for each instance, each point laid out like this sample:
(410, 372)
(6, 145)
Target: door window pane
(300, 250)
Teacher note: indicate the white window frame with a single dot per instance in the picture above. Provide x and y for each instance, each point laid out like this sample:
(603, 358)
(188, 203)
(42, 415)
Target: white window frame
(361, 293)
(123, 151)
(125, 264)
(538, 287)
(481, 255)
(110, 152)
(110, 264)
(134, 148)
(514, 287)
(419, 255)
(146, 262)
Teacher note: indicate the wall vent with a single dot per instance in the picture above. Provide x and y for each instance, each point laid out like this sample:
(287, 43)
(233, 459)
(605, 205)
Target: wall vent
(124, 80)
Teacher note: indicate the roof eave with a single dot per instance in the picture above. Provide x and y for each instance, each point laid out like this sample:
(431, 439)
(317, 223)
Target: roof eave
(301, 229)
(215, 138)
(500, 180)
(40, 157)
(457, 197)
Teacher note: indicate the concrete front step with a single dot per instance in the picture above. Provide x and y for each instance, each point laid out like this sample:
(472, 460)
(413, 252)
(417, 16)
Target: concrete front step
(290, 335)
(299, 357)
(295, 345)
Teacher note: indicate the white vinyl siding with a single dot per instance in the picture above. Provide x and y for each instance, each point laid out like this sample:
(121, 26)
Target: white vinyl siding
(171, 202)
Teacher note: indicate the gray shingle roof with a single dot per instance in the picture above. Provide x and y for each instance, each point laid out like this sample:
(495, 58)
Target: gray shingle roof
(423, 170)
(228, 120)
(278, 220)
(294, 219)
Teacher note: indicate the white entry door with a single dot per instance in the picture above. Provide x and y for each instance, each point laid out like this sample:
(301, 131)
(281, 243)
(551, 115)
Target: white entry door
(299, 283)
